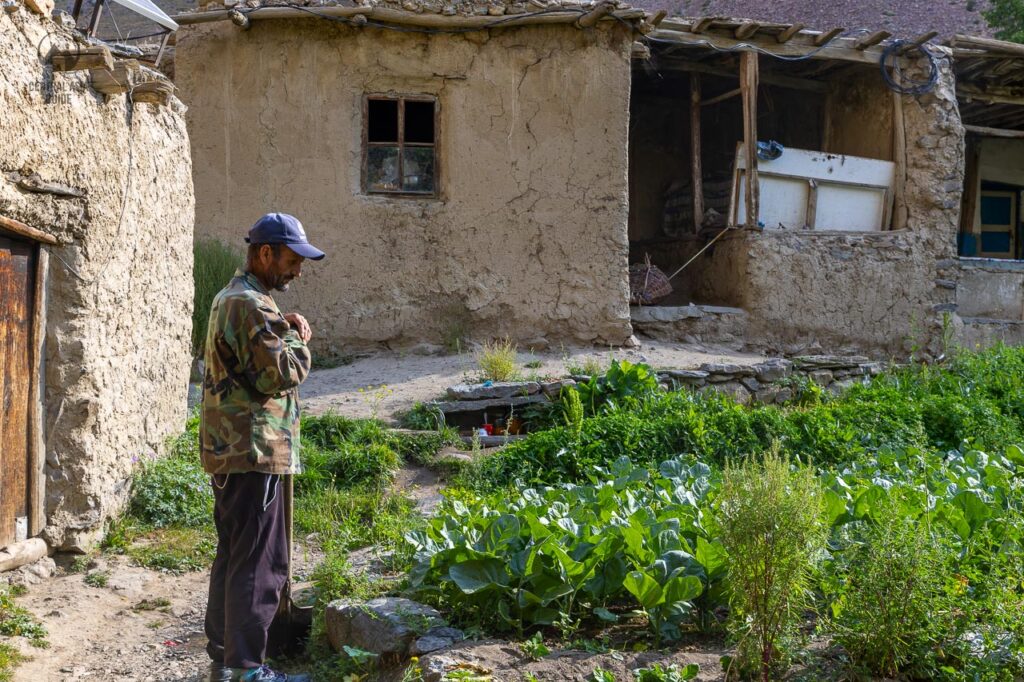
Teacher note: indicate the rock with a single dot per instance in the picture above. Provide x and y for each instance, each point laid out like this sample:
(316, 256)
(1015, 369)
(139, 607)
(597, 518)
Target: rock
(822, 377)
(501, 389)
(773, 370)
(384, 626)
(427, 349)
(553, 389)
(478, 405)
(648, 314)
(436, 668)
(727, 368)
(767, 396)
(631, 342)
(690, 377)
(34, 573)
(783, 396)
(810, 362)
(750, 383)
(496, 10)
(838, 387)
(436, 639)
(872, 368)
(733, 389)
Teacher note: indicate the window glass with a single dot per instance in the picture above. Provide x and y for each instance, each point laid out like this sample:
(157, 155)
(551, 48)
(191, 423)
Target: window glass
(383, 120)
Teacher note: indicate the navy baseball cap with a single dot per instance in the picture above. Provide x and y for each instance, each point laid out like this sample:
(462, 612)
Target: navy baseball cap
(281, 228)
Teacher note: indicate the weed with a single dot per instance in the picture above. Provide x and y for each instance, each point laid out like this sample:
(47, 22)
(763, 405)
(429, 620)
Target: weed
(534, 647)
(535, 363)
(15, 621)
(157, 604)
(214, 265)
(332, 360)
(891, 605)
(80, 564)
(590, 366)
(97, 578)
(772, 527)
(174, 490)
(497, 360)
(422, 417)
(174, 550)
(9, 660)
(602, 675)
(374, 397)
(671, 673)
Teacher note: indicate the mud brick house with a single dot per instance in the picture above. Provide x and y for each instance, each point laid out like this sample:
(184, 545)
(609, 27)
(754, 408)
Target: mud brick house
(96, 213)
(499, 166)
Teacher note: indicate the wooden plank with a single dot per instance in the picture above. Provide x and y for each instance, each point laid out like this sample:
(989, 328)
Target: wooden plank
(797, 47)
(721, 98)
(900, 213)
(827, 37)
(114, 81)
(93, 57)
(590, 19)
(37, 408)
(17, 282)
(768, 78)
(872, 40)
(23, 230)
(702, 24)
(746, 29)
(969, 209)
(995, 132)
(988, 45)
(992, 95)
(748, 83)
(696, 172)
(812, 204)
(918, 42)
(788, 33)
(22, 553)
(826, 121)
(659, 17)
(152, 92)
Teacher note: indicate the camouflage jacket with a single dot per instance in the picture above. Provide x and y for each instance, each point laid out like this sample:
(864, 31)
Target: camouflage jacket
(254, 363)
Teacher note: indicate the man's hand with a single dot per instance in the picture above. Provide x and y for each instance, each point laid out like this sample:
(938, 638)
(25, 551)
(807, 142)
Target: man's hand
(300, 324)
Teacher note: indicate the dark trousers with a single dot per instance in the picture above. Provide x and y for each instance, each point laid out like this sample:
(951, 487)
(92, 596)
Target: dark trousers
(251, 567)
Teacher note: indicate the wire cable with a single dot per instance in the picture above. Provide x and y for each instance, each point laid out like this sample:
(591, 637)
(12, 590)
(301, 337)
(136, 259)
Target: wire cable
(897, 80)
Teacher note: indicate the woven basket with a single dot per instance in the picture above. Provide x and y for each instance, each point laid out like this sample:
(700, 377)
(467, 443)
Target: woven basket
(647, 284)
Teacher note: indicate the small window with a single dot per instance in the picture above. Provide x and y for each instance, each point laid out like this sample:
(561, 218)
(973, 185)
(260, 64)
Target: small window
(400, 136)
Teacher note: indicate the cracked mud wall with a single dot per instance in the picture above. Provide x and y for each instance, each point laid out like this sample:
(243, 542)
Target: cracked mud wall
(119, 287)
(528, 238)
(881, 292)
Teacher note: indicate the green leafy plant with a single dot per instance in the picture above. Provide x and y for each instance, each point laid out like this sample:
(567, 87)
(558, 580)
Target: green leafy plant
(534, 647)
(15, 621)
(771, 522)
(572, 408)
(601, 675)
(624, 385)
(590, 366)
(671, 673)
(174, 490)
(1007, 17)
(214, 264)
(97, 578)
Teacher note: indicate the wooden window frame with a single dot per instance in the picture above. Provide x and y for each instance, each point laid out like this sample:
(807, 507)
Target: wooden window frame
(401, 144)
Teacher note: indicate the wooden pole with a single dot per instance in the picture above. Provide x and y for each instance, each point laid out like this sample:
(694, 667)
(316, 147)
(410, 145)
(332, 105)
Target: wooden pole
(995, 132)
(37, 406)
(20, 228)
(696, 174)
(900, 214)
(748, 83)
(721, 98)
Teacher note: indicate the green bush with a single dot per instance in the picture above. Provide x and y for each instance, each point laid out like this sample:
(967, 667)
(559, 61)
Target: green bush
(771, 523)
(214, 263)
(174, 490)
(892, 610)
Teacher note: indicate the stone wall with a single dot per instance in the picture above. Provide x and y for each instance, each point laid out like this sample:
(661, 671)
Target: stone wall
(118, 197)
(528, 237)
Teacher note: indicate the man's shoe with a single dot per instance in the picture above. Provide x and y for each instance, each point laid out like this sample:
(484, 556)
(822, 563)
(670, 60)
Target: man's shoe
(266, 674)
(218, 673)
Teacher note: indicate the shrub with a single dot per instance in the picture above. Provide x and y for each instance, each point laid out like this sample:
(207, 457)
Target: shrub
(624, 385)
(174, 490)
(498, 361)
(890, 605)
(772, 527)
(214, 263)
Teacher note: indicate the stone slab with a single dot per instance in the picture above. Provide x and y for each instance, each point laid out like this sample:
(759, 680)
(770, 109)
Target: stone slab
(487, 391)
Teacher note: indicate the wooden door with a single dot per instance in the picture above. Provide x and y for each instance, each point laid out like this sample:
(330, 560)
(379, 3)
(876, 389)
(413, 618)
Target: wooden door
(17, 289)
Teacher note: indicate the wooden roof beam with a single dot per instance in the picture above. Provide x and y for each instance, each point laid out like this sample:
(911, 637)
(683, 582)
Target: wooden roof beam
(702, 24)
(918, 42)
(995, 132)
(746, 29)
(870, 40)
(827, 37)
(788, 33)
(674, 31)
(766, 77)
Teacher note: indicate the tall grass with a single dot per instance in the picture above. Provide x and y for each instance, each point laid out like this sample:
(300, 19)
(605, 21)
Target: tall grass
(215, 263)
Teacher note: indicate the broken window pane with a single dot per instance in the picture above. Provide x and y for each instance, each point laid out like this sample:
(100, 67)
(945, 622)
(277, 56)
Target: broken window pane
(418, 169)
(382, 169)
(419, 122)
(382, 125)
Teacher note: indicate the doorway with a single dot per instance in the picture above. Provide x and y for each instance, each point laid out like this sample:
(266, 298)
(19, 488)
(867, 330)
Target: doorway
(18, 264)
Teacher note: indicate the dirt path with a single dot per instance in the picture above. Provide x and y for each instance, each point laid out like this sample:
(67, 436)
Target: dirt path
(417, 378)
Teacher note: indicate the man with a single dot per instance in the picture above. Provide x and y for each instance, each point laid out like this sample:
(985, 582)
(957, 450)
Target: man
(256, 357)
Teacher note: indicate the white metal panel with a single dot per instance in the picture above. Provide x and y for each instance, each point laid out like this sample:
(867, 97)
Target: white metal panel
(150, 11)
(853, 193)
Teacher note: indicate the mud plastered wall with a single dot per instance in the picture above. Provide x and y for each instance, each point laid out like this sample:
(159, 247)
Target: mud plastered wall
(120, 280)
(528, 238)
(881, 292)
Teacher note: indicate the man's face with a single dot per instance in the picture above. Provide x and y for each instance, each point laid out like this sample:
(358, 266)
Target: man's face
(279, 270)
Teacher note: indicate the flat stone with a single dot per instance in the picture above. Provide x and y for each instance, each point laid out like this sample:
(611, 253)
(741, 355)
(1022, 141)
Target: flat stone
(733, 389)
(751, 384)
(773, 370)
(828, 361)
(553, 389)
(767, 396)
(692, 377)
(384, 626)
(727, 368)
(501, 389)
(783, 396)
(663, 313)
(721, 310)
(436, 639)
(477, 405)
